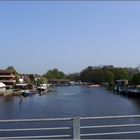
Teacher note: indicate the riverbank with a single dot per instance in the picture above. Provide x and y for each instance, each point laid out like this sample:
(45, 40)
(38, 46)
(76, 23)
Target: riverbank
(11, 92)
(26, 92)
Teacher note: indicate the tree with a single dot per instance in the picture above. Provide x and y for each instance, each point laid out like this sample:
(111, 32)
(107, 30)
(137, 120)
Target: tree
(74, 77)
(136, 79)
(86, 75)
(131, 73)
(32, 78)
(102, 74)
(11, 68)
(98, 76)
(41, 80)
(138, 68)
(54, 74)
(109, 77)
(120, 73)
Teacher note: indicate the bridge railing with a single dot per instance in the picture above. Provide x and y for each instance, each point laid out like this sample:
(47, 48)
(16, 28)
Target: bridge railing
(69, 128)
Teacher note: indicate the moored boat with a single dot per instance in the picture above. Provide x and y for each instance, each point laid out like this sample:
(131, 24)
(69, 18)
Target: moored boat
(42, 89)
(26, 93)
(133, 91)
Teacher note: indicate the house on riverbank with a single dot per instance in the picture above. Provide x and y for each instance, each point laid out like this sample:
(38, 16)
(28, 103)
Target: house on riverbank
(8, 78)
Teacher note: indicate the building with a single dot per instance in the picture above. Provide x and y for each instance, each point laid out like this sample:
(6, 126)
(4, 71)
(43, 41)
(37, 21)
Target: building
(8, 78)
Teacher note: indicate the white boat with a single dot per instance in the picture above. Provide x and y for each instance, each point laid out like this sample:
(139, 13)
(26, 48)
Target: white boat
(42, 89)
(133, 91)
(94, 85)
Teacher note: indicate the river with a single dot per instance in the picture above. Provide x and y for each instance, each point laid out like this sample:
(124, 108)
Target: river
(70, 101)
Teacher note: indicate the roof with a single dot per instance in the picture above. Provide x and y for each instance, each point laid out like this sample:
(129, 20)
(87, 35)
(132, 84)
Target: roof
(5, 71)
(22, 84)
(2, 85)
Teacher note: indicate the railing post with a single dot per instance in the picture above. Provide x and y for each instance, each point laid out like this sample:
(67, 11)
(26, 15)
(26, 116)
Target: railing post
(76, 128)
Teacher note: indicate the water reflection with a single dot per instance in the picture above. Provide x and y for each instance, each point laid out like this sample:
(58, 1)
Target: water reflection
(21, 98)
(8, 98)
(136, 103)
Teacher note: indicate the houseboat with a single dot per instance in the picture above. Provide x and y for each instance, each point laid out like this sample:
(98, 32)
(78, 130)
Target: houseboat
(120, 86)
(26, 93)
(133, 91)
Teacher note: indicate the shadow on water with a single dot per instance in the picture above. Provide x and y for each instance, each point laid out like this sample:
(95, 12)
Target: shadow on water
(136, 103)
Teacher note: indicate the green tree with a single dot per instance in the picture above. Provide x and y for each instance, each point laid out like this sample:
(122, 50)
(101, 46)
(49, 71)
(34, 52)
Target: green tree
(11, 68)
(41, 80)
(136, 79)
(131, 73)
(86, 75)
(120, 73)
(54, 74)
(109, 77)
(32, 78)
(98, 76)
(103, 74)
(74, 77)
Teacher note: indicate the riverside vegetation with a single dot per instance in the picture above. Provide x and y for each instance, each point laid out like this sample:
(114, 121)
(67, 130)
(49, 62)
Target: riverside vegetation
(94, 75)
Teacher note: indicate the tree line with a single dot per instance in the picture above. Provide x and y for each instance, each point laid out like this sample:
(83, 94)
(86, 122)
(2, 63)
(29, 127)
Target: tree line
(109, 74)
(95, 75)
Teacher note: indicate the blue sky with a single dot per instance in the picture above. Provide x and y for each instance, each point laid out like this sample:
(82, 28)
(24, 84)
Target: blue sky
(38, 36)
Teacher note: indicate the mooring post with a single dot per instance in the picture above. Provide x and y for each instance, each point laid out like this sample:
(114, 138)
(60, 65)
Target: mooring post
(76, 128)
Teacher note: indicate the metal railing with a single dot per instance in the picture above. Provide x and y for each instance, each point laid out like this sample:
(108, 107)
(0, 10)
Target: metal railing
(73, 128)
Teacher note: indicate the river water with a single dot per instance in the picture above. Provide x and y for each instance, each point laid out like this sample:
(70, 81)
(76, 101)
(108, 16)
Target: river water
(69, 101)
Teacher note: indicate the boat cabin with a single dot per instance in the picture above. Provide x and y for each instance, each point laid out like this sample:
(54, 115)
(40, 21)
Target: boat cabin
(121, 86)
